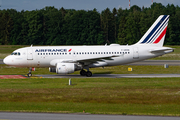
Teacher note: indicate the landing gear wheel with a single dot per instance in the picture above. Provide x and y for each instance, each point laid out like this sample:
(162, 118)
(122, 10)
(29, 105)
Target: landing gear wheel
(29, 74)
(88, 73)
(82, 72)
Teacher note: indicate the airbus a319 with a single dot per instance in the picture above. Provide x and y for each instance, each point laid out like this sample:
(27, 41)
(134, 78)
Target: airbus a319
(67, 59)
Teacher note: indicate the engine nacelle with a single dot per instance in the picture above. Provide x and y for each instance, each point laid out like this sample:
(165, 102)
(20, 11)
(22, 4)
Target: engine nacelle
(65, 68)
(52, 69)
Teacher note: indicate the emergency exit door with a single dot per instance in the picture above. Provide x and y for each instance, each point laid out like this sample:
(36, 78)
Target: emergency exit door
(135, 53)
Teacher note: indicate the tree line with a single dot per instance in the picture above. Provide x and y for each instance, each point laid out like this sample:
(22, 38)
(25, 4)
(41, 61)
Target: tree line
(52, 26)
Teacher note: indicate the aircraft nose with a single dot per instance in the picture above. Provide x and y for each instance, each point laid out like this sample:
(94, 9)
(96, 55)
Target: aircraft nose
(6, 60)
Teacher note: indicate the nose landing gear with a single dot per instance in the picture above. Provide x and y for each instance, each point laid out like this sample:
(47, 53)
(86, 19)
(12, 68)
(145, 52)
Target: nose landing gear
(30, 70)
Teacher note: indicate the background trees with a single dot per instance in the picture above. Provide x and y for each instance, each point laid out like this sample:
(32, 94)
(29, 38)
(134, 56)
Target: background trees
(52, 26)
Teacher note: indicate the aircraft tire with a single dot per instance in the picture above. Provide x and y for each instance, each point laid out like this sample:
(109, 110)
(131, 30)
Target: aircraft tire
(83, 73)
(29, 74)
(89, 74)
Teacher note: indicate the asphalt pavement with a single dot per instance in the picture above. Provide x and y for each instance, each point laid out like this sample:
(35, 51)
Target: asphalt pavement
(55, 116)
(1, 61)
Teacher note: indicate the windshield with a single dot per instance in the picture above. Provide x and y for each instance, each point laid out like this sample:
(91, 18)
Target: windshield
(16, 53)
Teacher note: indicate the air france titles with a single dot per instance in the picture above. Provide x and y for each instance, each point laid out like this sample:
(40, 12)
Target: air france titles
(51, 50)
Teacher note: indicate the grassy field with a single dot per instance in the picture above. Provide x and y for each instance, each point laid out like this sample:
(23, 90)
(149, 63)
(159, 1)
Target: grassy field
(127, 96)
(122, 69)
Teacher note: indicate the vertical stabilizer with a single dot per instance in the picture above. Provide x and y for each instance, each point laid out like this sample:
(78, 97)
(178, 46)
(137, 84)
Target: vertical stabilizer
(156, 33)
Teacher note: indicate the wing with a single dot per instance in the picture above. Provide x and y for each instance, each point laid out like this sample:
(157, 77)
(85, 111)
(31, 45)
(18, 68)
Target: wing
(85, 61)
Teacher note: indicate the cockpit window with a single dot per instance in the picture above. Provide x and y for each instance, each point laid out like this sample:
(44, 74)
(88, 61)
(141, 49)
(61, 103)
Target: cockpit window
(16, 53)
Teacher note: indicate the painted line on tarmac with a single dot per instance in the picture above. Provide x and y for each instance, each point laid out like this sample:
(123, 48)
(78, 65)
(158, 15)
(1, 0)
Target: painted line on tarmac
(12, 77)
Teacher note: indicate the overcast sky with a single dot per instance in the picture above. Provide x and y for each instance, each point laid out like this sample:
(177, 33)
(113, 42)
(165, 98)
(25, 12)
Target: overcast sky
(79, 4)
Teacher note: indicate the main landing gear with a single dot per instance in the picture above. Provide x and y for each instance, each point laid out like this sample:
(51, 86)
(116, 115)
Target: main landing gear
(84, 73)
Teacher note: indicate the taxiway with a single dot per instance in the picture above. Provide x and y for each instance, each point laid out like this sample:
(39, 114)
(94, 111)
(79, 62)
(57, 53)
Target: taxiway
(54, 116)
(112, 76)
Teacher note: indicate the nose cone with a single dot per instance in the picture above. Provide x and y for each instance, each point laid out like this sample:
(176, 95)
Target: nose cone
(7, 61)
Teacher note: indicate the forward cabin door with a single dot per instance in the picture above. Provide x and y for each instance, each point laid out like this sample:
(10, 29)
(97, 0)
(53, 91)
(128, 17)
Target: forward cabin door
(135, 53)
(29, 54)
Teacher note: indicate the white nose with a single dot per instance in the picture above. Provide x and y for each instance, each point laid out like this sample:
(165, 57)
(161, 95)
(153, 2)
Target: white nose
(7, 61)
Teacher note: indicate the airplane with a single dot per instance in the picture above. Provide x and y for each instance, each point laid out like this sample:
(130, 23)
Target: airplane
(68, 59)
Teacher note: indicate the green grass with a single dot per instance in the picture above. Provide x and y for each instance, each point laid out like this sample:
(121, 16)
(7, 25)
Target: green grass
(122, 69)
(127, 96)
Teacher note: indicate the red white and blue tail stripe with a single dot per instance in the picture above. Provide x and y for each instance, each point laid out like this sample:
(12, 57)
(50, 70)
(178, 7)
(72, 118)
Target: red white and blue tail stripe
(156, 33)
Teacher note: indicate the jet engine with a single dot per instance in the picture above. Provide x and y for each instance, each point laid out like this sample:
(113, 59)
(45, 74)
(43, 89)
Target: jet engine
(65, 68)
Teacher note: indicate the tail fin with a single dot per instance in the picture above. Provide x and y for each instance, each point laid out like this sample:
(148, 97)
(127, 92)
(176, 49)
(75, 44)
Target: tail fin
(156, 33)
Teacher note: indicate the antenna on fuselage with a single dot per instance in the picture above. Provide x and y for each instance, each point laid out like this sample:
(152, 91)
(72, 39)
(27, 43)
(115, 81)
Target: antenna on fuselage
(31, 45)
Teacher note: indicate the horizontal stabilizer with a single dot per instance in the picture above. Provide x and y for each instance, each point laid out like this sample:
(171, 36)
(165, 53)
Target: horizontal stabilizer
(163, 49)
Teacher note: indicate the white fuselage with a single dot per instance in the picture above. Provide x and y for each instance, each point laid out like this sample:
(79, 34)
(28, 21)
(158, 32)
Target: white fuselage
(42, 56)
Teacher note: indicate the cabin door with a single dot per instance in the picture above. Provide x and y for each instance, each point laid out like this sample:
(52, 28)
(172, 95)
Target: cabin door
(29, 54)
